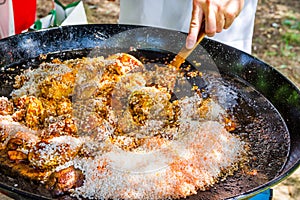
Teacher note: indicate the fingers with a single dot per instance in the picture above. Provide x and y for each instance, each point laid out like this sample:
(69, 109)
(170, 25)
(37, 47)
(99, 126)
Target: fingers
(220, 21)
(218, 15)
(195, 25)
(210, 19)
(228, 22)
(232, 10)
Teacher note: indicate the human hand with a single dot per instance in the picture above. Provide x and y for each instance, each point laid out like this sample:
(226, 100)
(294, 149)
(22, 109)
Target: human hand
(218, 15)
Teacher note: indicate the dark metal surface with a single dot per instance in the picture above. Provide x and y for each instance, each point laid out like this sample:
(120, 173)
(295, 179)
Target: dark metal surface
(271, 100)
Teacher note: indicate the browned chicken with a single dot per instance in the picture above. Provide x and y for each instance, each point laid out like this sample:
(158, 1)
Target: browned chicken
(62, 181)
(69, 121)
(6, 106)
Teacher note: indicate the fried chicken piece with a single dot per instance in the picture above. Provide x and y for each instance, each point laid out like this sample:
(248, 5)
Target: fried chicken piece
(102, 106)
(30, 110)
(50, 106)
(62, 181)
(50, 153)
(10, 129)
(146, 113)
(89, 71)
(6, 106)
(20, 104)
(90, 118)
(58, 86)
(54, 107)
(125, 63)
(48, 80)
(59, 126)
(34, 113)
(19, 145)
(149, 103)
(123, 89)
(22, 169)
(17, 156)
(95, 127)
(120, 65)
(83, 108)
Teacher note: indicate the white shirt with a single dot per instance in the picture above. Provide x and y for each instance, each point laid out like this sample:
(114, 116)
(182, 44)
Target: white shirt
(176, 15)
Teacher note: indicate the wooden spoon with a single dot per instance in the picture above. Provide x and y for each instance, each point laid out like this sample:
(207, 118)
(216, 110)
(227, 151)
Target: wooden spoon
(181, 57)
(184, 52)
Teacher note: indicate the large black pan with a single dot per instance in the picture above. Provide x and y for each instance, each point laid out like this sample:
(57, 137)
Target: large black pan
(268, 108)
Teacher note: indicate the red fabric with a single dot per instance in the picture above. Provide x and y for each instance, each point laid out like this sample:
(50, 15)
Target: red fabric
(24, 14)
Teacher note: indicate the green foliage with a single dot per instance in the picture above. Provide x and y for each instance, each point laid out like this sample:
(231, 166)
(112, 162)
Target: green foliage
(292, 35)
(292, 24)
(292, 38)
(287, 50)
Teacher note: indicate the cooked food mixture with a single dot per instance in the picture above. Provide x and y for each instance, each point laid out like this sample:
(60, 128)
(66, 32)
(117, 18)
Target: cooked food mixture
(108, 128)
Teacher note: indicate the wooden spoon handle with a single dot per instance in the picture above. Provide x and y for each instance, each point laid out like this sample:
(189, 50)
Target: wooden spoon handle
(184, 52)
